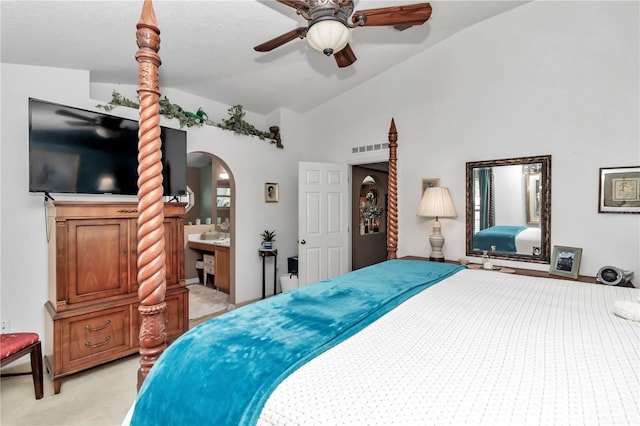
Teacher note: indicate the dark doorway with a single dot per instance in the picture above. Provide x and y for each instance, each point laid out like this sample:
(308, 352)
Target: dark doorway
(369, 218)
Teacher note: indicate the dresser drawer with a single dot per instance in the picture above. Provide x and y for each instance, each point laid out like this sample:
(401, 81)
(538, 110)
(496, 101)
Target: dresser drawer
(89, 338)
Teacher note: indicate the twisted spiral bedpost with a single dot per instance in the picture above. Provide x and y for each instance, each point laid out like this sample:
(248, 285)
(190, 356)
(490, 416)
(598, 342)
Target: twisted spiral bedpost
(392, 219)
(151, 254)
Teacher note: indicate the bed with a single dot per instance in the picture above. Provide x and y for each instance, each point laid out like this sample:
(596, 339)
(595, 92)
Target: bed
(441, 344)
(403, 341)
(510, 239)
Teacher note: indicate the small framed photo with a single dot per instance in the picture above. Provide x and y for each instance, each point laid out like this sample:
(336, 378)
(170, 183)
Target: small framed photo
(271, 194)
(619, 190)
(429, 183)
(565, 261)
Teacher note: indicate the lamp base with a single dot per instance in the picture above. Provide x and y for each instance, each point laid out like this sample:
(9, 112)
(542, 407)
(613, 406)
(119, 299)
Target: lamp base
(437, 241)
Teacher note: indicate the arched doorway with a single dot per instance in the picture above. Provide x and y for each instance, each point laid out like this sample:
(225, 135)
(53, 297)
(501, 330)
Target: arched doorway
(211, 218)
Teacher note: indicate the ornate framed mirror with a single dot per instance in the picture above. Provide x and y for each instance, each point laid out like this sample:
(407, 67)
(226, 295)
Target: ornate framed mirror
(508, 208)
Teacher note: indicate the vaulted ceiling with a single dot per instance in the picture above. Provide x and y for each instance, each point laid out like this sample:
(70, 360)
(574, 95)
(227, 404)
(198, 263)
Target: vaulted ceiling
(207, 46)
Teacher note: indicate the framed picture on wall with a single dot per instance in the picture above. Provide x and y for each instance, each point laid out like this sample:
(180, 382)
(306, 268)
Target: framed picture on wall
(565, 261)
(429, 183)
(619, 190)
(271, 192)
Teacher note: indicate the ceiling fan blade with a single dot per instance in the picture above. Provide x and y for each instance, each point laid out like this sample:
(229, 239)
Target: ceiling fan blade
(345, 57)
(79, 123)
(299, 32)
(412, 14)
(74, 115)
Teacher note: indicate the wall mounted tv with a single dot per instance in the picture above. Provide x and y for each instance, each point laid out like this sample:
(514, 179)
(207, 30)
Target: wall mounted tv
(84, 152)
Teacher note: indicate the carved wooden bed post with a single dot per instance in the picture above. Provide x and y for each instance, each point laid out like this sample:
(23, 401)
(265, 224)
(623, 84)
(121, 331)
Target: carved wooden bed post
(392, 226)
(151, 255)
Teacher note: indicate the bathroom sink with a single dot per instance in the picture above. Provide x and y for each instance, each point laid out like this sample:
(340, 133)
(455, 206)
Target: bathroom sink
(217, 242)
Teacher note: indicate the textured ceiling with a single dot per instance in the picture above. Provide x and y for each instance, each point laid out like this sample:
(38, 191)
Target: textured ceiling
(207, 46)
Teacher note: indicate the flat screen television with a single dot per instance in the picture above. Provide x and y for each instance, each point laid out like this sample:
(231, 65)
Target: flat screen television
(77, 151)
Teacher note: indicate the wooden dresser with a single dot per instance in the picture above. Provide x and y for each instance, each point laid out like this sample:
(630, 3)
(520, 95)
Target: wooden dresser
(93, 301)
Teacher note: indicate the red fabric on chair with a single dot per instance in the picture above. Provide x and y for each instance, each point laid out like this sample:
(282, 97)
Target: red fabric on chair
(17, 345)
(14, 342)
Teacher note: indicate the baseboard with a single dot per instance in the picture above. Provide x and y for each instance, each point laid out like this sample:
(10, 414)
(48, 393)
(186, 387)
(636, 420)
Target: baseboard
(192, 281)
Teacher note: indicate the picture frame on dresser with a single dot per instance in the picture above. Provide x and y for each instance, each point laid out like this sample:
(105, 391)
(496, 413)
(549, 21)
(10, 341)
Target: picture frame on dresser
(619, 190)
(565, 261)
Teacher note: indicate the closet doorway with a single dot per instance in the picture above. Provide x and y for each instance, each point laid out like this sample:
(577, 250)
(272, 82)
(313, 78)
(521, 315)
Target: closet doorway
(369, 218)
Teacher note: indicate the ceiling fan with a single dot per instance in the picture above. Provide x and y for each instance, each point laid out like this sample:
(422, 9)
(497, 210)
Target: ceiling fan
(328, 28)
(105, 126)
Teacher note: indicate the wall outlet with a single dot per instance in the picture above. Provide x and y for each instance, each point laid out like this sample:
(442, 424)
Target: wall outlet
(6, 326)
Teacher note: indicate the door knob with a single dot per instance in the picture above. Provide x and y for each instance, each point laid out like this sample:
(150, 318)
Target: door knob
(303, 242)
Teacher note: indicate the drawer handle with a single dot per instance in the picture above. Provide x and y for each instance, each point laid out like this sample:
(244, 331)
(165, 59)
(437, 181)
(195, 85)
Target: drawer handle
(97, 345)
(128, 211)
(106, 324)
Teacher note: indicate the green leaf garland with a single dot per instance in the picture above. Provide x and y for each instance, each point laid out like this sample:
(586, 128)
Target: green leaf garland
(235, 122)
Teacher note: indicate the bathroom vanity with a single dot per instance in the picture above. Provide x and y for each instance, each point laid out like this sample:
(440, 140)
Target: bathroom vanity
(219, 249)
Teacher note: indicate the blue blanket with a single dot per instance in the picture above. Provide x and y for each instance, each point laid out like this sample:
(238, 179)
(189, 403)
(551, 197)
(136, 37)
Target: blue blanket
(503, 237)
(223, 371)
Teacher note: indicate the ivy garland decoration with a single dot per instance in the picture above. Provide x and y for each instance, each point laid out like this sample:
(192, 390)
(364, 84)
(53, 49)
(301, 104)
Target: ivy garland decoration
(235, 122)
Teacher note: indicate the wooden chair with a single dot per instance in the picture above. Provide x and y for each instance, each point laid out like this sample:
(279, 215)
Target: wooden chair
(17, 345)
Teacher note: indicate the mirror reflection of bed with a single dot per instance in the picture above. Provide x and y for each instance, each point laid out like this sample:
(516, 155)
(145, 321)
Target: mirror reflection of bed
(508, 208)
(509, 239)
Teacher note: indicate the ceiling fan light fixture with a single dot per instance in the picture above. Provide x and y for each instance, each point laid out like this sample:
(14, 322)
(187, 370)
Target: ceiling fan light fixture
(328, 36)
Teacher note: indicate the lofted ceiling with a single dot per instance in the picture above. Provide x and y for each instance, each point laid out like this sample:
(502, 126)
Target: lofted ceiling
(207, 46)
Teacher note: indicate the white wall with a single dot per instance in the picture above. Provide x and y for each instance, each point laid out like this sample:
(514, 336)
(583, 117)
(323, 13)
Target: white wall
(252, 162)
(557, 78)
(23, 272)
(23, 266)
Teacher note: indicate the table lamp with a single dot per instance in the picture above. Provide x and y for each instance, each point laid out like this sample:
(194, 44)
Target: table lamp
(436, 202)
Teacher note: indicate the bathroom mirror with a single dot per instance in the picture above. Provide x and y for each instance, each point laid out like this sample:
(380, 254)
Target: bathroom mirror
(208, 179)
(508, 208)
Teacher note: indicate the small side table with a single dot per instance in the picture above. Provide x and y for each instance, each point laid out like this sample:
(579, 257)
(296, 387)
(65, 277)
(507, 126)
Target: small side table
(264, 253)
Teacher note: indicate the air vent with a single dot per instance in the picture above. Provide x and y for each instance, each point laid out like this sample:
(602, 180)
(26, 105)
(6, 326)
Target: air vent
(369, 148)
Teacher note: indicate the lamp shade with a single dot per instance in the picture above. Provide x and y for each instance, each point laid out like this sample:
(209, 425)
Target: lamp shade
(436, 202)
(328, 36)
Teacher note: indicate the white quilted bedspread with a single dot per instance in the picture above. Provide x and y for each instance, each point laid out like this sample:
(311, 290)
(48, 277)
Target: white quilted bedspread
(480, 348)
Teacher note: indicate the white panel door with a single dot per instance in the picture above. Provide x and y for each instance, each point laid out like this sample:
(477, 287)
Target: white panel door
(323, 221)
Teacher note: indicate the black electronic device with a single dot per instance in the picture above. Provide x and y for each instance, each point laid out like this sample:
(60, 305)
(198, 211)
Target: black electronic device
(77, 151)
(612, 275)
(292, 265)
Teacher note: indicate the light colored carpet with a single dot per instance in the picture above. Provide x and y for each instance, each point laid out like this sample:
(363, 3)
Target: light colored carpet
(205, 301)
(99, 396)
